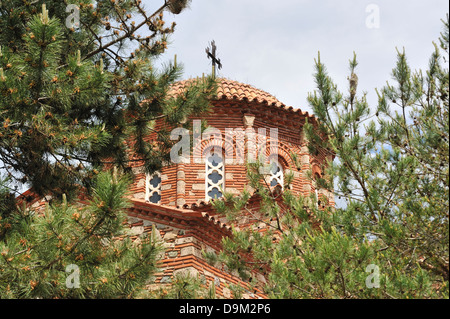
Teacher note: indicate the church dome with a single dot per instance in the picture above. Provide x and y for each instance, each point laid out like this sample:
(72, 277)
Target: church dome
(233, 90)
(236, 91)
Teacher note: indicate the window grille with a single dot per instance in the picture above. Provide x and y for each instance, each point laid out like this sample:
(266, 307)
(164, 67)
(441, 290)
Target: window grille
(215, 175)
(153, 185)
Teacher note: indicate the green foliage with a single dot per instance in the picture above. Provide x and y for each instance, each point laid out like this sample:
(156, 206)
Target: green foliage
(298, 258)
(389, 238)
(75, 99)
(183, 286)
(7, 200)
(393, 171)
(40, 249)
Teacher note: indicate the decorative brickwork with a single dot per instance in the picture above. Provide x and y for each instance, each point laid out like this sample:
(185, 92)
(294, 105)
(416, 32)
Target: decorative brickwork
(239, 111)
(174, 201)
(241, 108)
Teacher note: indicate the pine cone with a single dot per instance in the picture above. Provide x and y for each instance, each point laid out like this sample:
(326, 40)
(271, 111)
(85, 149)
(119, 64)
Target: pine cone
(176, 6)
(353, 86)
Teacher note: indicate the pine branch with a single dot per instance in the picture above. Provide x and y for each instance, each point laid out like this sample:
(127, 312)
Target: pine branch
(126, 35)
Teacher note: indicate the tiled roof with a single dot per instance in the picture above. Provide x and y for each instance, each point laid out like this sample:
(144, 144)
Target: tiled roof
(233, 90)
(176, 213)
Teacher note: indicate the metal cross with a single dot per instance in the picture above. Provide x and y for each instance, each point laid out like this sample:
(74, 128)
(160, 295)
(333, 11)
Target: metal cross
(212, 54)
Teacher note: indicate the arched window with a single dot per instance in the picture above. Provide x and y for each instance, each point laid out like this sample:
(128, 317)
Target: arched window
(317, 174)
(276, 175)
(316, 190)
(153, 188)
(215, 174)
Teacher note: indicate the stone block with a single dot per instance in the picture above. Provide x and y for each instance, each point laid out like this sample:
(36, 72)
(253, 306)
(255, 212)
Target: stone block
(201, 175)
(135, 231)
(132, 220)
(141, 183)
(248, 120)
(305, 159)
(166, 279)
(140, 195)
(233, 191)
(184, 240)
(226, 292)
(188, 271)
(172, 254)
(190, 250)
(170, 236)
(147, 223)
(181, 187)
(180, 202)
(166, 187)
(198, 187)
(181, 175)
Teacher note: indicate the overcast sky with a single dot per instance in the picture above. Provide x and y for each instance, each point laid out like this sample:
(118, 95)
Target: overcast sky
(272, 44)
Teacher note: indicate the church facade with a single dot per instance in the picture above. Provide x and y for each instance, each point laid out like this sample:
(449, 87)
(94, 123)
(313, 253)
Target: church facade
(244, 123)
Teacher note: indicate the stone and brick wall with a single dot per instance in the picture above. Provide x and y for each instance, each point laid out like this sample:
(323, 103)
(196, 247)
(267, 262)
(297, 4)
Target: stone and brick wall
(185, 183)
(185, 235)
(184, 220)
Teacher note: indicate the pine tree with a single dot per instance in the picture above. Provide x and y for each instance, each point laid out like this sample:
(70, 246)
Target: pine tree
(78, 96)
(391, 167)
(76, 251)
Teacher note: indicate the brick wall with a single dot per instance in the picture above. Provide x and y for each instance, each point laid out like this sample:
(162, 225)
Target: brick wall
(186, 232)
(185, 235)
(185, 183)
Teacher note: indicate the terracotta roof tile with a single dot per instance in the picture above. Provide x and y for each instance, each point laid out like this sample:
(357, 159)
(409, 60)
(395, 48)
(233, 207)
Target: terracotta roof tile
(233, 90)
(180, 212)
